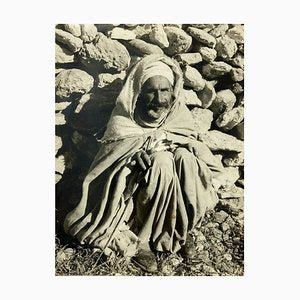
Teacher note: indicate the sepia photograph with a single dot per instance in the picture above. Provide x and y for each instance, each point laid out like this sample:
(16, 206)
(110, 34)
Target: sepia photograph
(149, 149)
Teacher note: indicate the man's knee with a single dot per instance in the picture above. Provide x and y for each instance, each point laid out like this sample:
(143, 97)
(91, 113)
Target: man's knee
(163, 160)
(182, 154)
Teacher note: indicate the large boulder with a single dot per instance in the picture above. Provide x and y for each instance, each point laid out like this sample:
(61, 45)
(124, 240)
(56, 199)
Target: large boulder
(72, 42)
(233, 192)
(179, 40)
(188, 58)
(72, 82)
(224, 101)
(237, 74)
(234, 159)
(159, 37)
(74, 29)
(63, 55)
(192, 78)
(106, 54)
(207, 94)
(215, 69)
(208, 54)
(231, 118)
(189, 97)
(202, 36)
(202, 118)
(226, 47)
(228, 177)
(237, 60)
(219, 141)
(88, 32)
(141, 48)
(107, 80)
(237, 34)
(219, 30)
(119, 33)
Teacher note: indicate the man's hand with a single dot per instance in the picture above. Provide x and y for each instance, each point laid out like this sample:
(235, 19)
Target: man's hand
(142, 159)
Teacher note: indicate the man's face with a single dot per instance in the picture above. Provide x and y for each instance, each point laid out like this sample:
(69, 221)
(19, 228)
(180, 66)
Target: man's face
(155, 99)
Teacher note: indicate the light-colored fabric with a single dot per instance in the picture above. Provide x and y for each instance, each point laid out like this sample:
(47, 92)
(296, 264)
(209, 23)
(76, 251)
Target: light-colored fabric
(158, 68)
(107, 200)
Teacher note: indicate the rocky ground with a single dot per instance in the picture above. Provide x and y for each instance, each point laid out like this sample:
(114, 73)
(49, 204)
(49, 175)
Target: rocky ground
(90, 64)
(219, 243)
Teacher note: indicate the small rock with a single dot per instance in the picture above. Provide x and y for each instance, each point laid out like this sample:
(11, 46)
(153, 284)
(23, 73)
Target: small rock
(228, 178)
(60, 119)
(237, 61)
(82, 101)
(237, 33)
(215, 69)
(238, 131)
(73, 43)
(140, 47)
(233, 192)
(63, 55)
(202, 119)
(104, 28)
(241, 48)
(60, 106)
(189, 97)
(231, 118)
(209, 270)
(226, 47)
(71, 82)
(192, 78)
(170, 263)
(207, 95)
(237, 74)
(188, 58)
(142, 31)
(58, 177)
(74, 29)
(119, 33)
(236, 88)
(202, 36)
(224, 101)
(219, 30)
(208, 54)
(60, 164)
(236, 159)
(220, 216)
(225, 227)
(179, 40)
(232, 205)
(107, 79)
(105, 54)
(88, 32)
(217, 140)
(58, 143)
(227, 256)
(158, 37)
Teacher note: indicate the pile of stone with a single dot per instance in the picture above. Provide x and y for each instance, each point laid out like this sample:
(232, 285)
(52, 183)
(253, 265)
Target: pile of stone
(91, 63)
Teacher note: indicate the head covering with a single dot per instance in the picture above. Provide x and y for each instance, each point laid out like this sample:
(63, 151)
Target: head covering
(122, 123)
(158, 68)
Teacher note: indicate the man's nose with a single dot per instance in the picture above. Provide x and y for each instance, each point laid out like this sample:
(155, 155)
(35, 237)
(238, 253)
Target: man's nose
(159, 97)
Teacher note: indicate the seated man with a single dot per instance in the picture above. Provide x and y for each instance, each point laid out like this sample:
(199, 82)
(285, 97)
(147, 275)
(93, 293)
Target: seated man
(151, 181)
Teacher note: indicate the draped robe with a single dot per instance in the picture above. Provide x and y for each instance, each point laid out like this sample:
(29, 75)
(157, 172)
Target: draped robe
(121, 205)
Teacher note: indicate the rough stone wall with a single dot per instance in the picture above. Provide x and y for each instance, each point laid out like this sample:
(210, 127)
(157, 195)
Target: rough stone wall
(90, 64)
